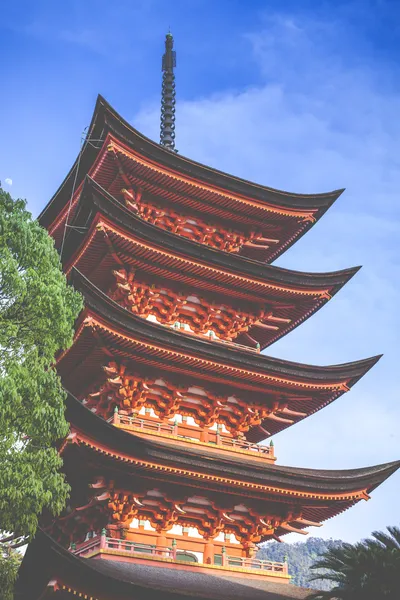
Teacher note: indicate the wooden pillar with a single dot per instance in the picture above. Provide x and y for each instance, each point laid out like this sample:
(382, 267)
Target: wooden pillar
(208, 555)
(161, 542)
(204, 436)
(249, 549)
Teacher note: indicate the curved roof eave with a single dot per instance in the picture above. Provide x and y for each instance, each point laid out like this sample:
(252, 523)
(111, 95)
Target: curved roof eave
(117, 441)
(105, 119)
(101, 304)
(190, 167)
(96, 196)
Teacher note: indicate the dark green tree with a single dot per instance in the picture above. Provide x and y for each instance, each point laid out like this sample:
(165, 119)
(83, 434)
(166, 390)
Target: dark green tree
(10, 561)
(37, 314)
(368, 570)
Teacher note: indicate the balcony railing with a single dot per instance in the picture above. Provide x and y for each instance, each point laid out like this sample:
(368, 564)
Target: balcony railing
(168, 429)
(173, 554)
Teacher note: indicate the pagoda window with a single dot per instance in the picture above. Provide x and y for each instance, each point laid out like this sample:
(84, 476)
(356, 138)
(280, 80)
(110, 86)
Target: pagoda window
(187, 556)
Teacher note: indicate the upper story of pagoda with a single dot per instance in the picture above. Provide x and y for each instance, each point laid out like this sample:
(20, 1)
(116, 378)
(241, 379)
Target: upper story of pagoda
(175, 282)
(181, 196)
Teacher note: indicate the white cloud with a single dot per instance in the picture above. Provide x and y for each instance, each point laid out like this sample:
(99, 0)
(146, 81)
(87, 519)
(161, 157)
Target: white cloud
(8, 181)
(319, 124)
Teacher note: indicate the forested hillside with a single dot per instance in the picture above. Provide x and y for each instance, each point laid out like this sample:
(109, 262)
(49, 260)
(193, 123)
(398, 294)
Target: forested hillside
(300, 557)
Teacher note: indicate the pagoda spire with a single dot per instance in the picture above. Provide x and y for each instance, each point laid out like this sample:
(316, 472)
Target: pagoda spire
(167, 129)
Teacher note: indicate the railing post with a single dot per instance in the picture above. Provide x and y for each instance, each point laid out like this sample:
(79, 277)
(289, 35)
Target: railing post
(116, 419)
(272, 449)
(174, 549)
(224, 557)
(285, 566)
(103, 539)
(218, 436)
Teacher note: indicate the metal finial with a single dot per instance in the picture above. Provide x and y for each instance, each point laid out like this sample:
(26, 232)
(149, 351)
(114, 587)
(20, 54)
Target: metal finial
(167, 129)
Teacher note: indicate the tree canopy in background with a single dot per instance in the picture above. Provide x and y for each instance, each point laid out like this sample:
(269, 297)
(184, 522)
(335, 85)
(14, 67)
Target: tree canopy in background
(300, 557)
(37, 314)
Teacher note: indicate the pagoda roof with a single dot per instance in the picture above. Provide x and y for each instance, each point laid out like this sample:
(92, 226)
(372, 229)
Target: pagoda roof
(129, 452)
(154, 251)
(106, 329)
(118, 316)
(165, 457)
(184, 181)
(306, 497)
(47, 561)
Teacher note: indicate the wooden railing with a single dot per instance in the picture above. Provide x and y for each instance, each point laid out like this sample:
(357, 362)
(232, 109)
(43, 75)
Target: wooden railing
(166, 428)
(172, 553)
(254, 563)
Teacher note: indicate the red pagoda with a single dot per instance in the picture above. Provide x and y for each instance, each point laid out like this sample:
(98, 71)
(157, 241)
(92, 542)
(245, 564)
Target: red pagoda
(169, 395)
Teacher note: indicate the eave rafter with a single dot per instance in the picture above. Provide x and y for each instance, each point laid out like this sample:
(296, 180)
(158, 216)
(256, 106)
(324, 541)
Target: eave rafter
(95, 323)
(115, 508)
(131, 392)
(118, 148)
(191, 477)
(214, 234)
(202, 316)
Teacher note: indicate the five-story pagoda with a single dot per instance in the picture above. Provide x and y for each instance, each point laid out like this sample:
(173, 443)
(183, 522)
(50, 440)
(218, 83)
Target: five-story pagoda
(169, 395)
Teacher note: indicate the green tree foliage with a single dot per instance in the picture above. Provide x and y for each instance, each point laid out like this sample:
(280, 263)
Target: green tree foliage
(10, 561)
(300, 557)
(37, 314)
(368, 570)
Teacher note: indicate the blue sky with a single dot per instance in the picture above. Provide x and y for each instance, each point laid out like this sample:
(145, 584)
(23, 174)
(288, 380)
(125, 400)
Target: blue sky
(298, 95)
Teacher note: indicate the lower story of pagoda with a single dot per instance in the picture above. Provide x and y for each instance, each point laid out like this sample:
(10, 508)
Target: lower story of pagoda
(187, 550)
